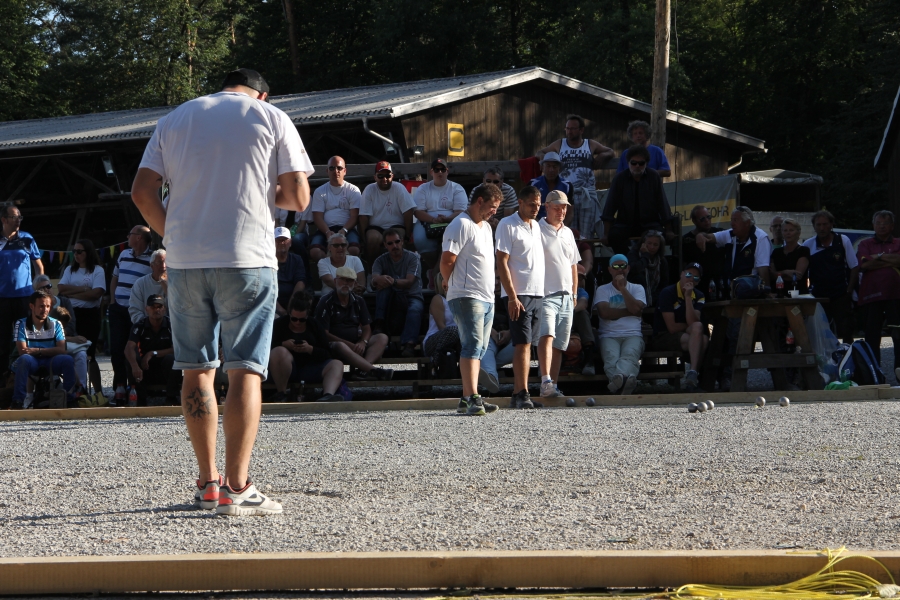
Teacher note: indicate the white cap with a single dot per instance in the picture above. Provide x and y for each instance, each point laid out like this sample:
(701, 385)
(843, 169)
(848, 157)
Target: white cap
(282, 232)
(551, 157)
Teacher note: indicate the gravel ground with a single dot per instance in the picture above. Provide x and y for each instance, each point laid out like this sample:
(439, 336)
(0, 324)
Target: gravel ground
(811, 475)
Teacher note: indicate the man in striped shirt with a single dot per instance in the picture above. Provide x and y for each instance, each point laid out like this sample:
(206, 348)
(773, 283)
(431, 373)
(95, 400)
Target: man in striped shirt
(40, 342)
(133, 264)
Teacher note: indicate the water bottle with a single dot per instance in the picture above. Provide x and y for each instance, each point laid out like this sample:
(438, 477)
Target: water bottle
(794, 284)
(712, 290)
(789, 340)
(779, 287)
(132, 398)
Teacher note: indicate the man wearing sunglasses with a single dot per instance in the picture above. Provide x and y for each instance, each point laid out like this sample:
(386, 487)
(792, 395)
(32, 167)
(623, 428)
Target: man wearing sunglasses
(335, 209)
(510, 203)
(635, 203)
(20, 263)
(150, 354)
(437, 201)
(678, 324)
(385, 205)
(399, 303)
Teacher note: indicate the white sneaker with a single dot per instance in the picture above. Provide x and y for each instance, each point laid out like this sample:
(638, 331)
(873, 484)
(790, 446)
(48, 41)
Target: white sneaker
(488, 381)
(549, 390)
(245, 503)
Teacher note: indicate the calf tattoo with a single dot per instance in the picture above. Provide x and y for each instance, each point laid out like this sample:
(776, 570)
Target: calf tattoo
(199, 403)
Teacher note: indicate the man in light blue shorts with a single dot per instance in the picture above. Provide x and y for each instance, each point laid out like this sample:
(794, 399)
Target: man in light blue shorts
(561, 258)
(229, 159)
(467, 266)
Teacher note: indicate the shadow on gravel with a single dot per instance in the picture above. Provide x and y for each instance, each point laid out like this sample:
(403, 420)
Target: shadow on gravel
(189, 509)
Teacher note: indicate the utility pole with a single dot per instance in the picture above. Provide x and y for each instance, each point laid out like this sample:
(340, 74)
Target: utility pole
(660, 73)
(287, 6)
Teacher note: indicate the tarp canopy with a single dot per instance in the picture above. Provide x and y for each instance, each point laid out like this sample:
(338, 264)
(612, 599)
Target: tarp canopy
(780, 177)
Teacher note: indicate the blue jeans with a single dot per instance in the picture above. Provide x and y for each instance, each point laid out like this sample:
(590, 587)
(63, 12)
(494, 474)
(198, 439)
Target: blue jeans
(474, 319)
(26, 365)
(494, 357)
(403, 309)
(423, 242)
(239, 304)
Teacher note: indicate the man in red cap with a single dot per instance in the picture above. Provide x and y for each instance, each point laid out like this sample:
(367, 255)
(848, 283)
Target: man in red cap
(385, 205)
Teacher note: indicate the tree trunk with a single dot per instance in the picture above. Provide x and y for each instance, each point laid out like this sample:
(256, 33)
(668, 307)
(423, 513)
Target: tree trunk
(660, 73)
(288, 6)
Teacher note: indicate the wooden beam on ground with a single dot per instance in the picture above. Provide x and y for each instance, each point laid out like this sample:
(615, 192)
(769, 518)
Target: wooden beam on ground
(420, 570)
(601, 399)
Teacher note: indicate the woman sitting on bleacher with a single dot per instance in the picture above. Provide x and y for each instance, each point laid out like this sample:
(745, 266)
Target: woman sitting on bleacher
(337, 258)
(443, 335)
(648, 265)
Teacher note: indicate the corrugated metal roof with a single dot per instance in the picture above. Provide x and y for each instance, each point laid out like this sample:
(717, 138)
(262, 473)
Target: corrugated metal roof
(887, 138)
(349, 104)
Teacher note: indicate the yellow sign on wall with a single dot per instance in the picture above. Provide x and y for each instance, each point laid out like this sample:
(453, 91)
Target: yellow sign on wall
(455, 140)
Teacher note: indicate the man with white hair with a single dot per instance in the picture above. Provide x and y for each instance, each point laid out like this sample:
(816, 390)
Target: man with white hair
(156, 282)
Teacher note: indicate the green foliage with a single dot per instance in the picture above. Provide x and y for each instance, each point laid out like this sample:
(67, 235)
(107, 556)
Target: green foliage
(814, 78)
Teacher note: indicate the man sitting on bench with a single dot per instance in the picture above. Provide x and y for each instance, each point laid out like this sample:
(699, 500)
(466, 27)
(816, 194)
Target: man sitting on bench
(619, 305)
(678, 325)
(150, 355)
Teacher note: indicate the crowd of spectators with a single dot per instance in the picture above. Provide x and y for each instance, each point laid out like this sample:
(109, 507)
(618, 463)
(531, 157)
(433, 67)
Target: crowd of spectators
(492, 277)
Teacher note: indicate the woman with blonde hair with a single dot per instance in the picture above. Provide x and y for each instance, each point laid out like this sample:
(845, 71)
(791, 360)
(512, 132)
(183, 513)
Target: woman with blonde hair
(790, 260)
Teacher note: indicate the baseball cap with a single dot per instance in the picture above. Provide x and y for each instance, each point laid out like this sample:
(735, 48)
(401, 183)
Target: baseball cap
(694, 266)
(155, 299)
(557, 197)
(346, 272)
(248, 78)
(383, 166)
(282, 232)
(551, 157)
(618, 258)
(439, 162)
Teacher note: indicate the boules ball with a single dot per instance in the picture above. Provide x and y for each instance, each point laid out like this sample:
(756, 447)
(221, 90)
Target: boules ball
(784, 401)
(710, 404)
(590, 402)
(570, 402)
(703, 407)
(692, 407)
(760, 401)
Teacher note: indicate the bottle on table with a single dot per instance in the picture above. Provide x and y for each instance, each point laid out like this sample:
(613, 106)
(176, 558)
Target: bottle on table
(712, 290)
(779, 287)
(132, 397)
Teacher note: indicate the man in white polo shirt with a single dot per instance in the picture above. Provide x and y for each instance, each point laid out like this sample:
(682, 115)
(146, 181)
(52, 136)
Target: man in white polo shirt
(520, 266)
(467, 266)
(561, 258)
(385, 205)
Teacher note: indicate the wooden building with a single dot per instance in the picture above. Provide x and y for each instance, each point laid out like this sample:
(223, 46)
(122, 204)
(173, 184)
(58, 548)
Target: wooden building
(71, 175)
(888, 157)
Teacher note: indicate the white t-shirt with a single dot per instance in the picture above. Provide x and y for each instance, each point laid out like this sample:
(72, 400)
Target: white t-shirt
(336, 202)
(97, 279)
(326, 268)
(560, 254)
(525, 247)
(626, 326)
(281, 216)
(223, 154)
(440, 201)
(386, 209)
(473, 245)
(763, 247)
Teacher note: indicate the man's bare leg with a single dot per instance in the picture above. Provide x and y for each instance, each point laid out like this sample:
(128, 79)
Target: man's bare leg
(521, 366)
(376, 347)
(243, 406)
(545, 355)
(468, 370)
(201, 415)
(347, 356)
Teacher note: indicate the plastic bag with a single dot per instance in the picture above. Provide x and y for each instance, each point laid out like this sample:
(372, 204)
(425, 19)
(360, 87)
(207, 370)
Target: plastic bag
(822, 339)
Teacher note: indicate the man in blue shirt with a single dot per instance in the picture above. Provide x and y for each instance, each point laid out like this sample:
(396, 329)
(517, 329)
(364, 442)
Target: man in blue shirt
(550, 180)
(20, 263)
(639, 134)
(41, 342)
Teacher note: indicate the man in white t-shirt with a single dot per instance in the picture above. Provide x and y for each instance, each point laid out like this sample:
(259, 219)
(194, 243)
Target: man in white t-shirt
(437, 203)
(520, 267)
(385, 205)
(335, 209)
(467, 267)
(230, 158)
(619, 305)
(561, 258)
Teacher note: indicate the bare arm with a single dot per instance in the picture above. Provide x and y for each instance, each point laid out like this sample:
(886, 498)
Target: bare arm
(671, 325)
(424, 217)
(145, 195)
(554, 147)
(574, 281)
(351, 221)
(408, 224)
(292, 192)
(601, 153)
(514, 307)
(854, 278)
(319, 222)
(38, 267)
(363, 225)
(437, 312)
(611, 314)
(448, 261)
(113, 284)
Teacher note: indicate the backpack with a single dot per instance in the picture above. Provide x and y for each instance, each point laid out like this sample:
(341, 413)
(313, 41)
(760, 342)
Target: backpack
(860, 362)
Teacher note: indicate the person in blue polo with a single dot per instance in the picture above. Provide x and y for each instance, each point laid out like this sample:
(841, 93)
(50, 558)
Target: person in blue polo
(40, 342)
(20, 263)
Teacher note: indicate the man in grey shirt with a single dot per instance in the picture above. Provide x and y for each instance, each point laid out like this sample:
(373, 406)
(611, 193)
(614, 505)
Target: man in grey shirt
(154, 283)
(396, 277)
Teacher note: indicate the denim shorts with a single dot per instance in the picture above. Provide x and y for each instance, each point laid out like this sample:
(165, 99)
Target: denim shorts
(236, 304)
(474, 319)
(556, 319)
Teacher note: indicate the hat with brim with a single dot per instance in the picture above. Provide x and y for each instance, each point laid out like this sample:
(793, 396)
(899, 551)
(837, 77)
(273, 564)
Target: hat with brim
(346, 273)
(557, 197)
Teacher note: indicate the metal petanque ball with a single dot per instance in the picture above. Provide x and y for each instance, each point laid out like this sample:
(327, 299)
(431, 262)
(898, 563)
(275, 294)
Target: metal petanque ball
(590, 402)
(703, 407)
(692, 407)
(784, 401)
(570, 402)
(760, 401)
(710, 404)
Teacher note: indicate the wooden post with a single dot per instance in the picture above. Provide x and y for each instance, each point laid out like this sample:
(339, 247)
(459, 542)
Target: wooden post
(660, 73)
(288, 7)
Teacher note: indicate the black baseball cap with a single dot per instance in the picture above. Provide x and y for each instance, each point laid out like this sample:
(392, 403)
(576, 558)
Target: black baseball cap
(155, 299)
(248, 78)
(439, 162)
(695, 266)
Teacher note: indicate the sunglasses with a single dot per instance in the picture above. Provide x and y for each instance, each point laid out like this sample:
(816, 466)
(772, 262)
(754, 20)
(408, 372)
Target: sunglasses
(440, 170)
(77, 251)
(638, 163)
(339, 245)
(394, 243)
(15, 218)
(335, 168)
(691, 276)
(384, 176)
(298, 319)
(49, 286)
(706, 218)
(494, 181)
(619, 267)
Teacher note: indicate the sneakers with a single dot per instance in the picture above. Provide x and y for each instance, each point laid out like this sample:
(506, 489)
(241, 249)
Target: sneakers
(616, 383)
(375, 374)
(462, 407)
(549, 390)
(476, 406)
(630, 384)
(409, 351)
(278, 397)
(691, 381)
(488, 381)
(247, 502)
(522, 400)
(589, 369)
(331, 398)
(206, 496)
